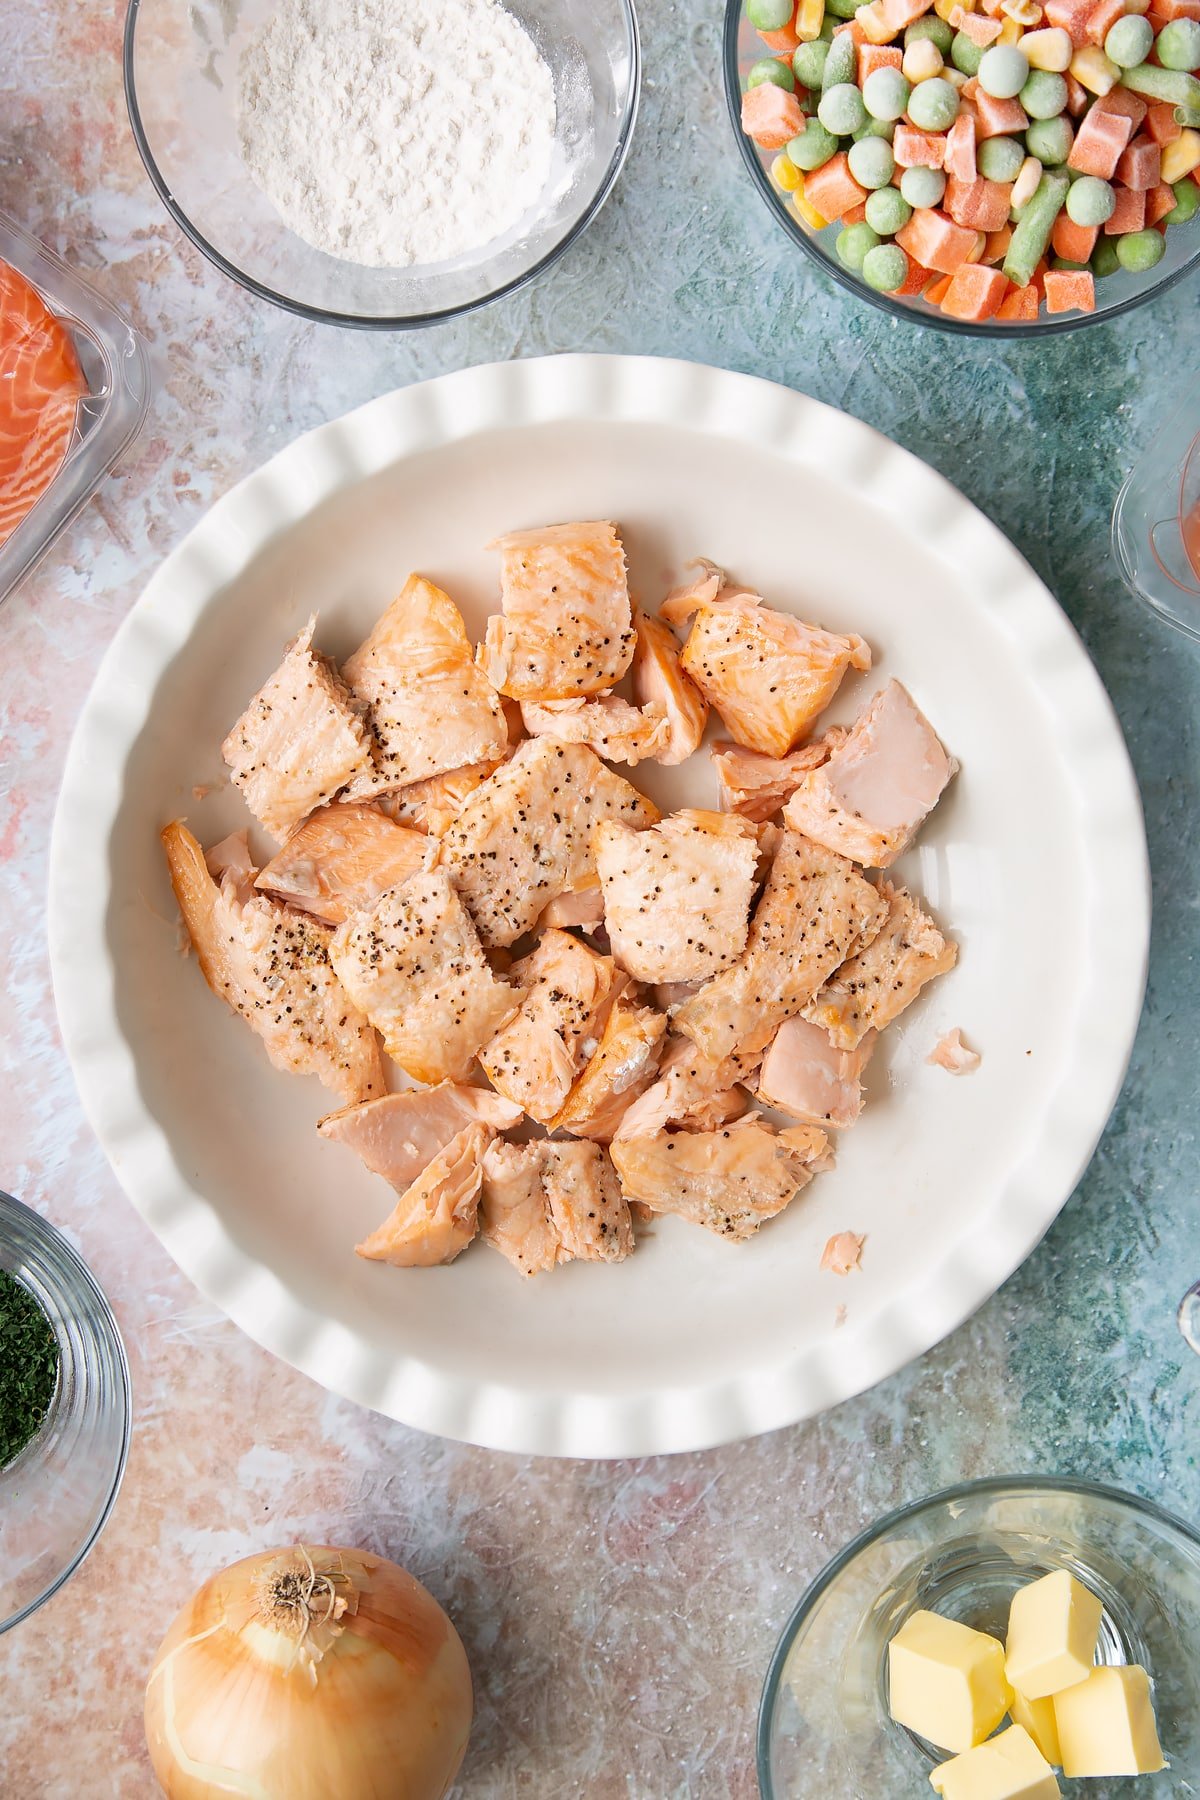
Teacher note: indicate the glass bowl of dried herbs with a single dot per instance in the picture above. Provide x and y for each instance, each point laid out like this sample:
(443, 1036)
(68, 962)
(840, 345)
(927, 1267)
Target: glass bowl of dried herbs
(64, 1410)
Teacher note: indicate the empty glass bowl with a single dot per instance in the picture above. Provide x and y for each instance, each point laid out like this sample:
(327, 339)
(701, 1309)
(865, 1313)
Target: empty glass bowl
(1156, 522)
(180, 82)
(824, 1727)
(57, 1493)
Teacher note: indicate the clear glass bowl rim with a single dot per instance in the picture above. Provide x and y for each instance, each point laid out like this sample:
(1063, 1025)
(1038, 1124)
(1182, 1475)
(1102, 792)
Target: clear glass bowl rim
(936, 321)
(59, 1248)
(397, 321)
(963, 1490)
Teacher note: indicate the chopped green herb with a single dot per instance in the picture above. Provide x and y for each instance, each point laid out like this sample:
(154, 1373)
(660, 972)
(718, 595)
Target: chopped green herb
(28, 1366)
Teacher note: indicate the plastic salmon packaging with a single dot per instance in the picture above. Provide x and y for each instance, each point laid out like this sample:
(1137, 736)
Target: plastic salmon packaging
(74, 391)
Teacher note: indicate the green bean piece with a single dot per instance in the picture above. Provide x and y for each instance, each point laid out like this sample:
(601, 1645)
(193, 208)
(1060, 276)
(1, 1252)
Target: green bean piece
(841, 65)
(1172, 86)
(1031, 233)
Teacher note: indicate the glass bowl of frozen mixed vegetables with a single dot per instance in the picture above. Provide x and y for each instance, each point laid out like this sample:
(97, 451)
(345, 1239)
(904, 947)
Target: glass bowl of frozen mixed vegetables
(1008, 166)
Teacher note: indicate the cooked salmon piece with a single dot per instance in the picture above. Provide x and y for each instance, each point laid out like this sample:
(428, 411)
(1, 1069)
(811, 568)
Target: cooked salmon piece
(805, 1075)
(669, 996)
(684, 601)
(873, 986)
(690, 1090)
(430, 706)
(767, 673)
(300, 740)
(951, 1054)
(729, 1180)
(566, 629)
(814, 908)
(564, 989)
(843, 1253)
(677, 894)
(513, 1215)
(432, 806)
(660, 686)
(546, 1203)
(272, 966)
(870, 798)
(582, 907)
(524, 836)
(607, 724)
(399, 1135)
(435, 1219)
(340, 860)
(622, 1067)
(755, 786)
(415, 967)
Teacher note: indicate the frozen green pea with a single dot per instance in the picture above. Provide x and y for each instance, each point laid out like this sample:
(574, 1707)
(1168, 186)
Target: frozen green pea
(841, 109)
(966, 54)
(828, 30)
(925, 187)
(933, 105)
(841, 64)
(877, 128)
(1003, 71)
(814, 146)
(1044, 95)
(889, 212)
(886, 93)
(1129, 41)
(872, 163)
(885, 268)
(1000, 158)
(1178, 45)
(1187, 203)
(1105, 260)
(1138, 251)
(1090, 201)
(933, 28)
(770, 69)
(772, 15)
(1050, 141)
(808, 63)
(854, 244)
(1069, 267)
(843, 9)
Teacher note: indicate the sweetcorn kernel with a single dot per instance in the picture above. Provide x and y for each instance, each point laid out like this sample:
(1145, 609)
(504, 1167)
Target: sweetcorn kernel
(785, 174)
(1181, 157)
(1095, 71)
(807, 212)
(922, 61)
(1050, 49)
(1011, 32)
(1026, 12)
(810, 16)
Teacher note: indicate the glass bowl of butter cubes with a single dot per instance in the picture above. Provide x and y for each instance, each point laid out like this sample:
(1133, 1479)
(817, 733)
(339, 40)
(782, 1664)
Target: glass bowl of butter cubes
(1013, 1639)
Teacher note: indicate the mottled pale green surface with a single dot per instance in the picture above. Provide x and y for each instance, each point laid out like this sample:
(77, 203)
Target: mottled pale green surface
(619, 1618)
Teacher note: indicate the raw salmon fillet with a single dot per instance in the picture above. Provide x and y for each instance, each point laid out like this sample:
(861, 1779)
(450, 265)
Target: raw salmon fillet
(873, 987)
(690, 1090)
(660, 685)
(755, 786)
(415, 967)
(677, 894)
(729, 1180)
(815, 906)
(341, 860)
(524, 836)
(547, 1203)
(566, 629)
(607, 724)
(870, 798)
(624, 1064)
(564, 990)
(41, 385)
(429, 705)
(805, 1075)
(431, 806)
(272, 966)
(300, 740)
(435, 1219)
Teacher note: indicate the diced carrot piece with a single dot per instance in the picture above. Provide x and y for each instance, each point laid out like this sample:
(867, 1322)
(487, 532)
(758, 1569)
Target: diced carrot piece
(996, 248)
(771, 116)
(1179, 9)
(980, 205)
(1140, 166)
(1129, 214)
(1074, 243)
(975, 292)
(901, 13)
(937, 242)
(857, 34)
(935, 293)
(1162, 125)
(960, 152)
(918, 149)
(997, 118)
(1160, 201)
(784, 40)
(1104, 14)
(981, 30)
(1100, 143)
(1125, 105)
(1070, 290)
(1019, 303)
(856, 215)
(1072, 16)
(832, 189)
(915, 282)
(877, 56)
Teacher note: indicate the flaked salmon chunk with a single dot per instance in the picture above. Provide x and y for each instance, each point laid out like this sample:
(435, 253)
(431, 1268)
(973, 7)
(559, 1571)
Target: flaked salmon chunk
(513, 1215)
(430, 706)
(729, 1180)
(272, 966)
(805, 1075)
(677, 894)
(873, 987)
(435, 1218)
(547, 1203)
(842, 1254)
(870, 798)
(524, 836)
(660, 686)
(815, 906)
(607, 724)
(951, 1054)
(564, 989)
(566, 629)
(399, 1135)
(622, 1067)
(755, 786)
(415, 967)
(432, 806)
(300, 740)
(767, 673)
(582, 907)
(690, 1090)
(340, 860)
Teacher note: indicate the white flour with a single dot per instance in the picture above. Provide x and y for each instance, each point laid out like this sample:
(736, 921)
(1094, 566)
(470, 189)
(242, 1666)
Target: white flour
(393, 132)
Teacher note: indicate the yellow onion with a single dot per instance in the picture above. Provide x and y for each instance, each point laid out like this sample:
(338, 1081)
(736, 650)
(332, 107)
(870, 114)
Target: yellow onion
(309, 1674)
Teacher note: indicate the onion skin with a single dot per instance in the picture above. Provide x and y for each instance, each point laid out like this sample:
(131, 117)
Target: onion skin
(384, 1713)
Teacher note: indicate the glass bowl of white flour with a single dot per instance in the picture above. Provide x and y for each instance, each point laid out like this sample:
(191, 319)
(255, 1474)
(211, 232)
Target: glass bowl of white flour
(383, 163)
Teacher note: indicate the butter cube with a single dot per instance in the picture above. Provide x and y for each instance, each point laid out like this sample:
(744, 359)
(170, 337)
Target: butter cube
(1106, 1725)
(1037, 1718)
(1007, 1767)
(1053, 1625)
(947, 1681)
